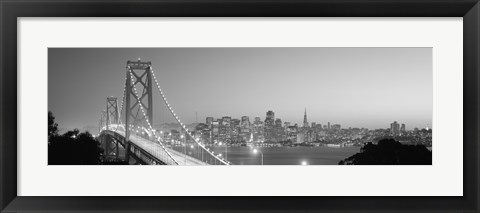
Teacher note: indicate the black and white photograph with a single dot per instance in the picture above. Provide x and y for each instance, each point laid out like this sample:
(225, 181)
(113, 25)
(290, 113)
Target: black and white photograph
(240, 106)
(251, 106)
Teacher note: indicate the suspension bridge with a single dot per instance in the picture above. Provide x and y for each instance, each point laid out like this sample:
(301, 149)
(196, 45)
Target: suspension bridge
(131, 128)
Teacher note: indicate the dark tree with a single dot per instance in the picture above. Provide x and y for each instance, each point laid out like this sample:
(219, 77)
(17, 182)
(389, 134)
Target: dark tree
(71, 148)
(52, 126)
(74, 148)
(390, 152)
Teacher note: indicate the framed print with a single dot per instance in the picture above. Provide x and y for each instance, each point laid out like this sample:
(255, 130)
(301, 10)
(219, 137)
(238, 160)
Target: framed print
(240, 106)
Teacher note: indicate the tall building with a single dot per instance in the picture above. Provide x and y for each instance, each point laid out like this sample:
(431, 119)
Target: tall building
(234, 122)
(258, 130)
(402, 128)
(301, 137)
(278, 122)
(245, 122)
(225, 129)
(270, 117)
(203, 132)
(245, 131)
(394, 128)
(235, 129)
(215, 130)
(226, 121)
(279, 130)
(209, 121)
(292, 134)
(328, 127)
(305, 122)
(270, 126)
(310, 135)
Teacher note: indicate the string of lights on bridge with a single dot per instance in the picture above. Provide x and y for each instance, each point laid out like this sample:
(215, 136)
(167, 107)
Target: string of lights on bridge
(121, 105)
(159, 139)
(183, 125)
(146, 119)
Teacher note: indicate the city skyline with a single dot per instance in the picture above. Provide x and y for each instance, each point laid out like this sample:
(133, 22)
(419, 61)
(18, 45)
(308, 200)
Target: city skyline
(376, 87)
(387, 126)
(272, 132)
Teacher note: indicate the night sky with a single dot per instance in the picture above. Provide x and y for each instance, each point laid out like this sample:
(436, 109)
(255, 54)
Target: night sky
(354, 87)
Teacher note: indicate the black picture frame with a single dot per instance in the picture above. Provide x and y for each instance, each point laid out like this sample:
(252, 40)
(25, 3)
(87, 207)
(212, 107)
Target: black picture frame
(10, 10)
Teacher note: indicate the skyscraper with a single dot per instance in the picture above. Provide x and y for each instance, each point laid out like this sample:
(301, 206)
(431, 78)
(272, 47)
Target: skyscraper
(394, 128)
(226, 121)
(270, 116)
(225, 129)
(258, 128)
(279, 130)
(402, 128)
(245, 122)
(209, 121)
(305, 122)
(269, 126)
(215, 130)
(278, 122)
(292, 134)
(235, 129)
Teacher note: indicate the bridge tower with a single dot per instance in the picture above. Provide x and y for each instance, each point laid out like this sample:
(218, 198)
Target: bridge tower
(111, 145)
(139, 76)
(112, 111)
(103, 121)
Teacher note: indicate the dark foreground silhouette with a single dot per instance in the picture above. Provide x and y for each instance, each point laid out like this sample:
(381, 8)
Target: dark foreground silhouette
(71, 148)
(75, 148)
(390, 152)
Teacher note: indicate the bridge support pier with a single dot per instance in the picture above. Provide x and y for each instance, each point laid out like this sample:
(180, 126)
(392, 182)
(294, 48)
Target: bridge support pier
(127, 150)
(111, 147)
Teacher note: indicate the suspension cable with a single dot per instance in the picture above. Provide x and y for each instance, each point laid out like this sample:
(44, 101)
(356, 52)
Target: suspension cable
(121, 106)
(181, 124)
(148, 122)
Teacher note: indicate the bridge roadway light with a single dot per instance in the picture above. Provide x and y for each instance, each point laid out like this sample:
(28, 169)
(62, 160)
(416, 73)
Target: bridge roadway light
(226, 149)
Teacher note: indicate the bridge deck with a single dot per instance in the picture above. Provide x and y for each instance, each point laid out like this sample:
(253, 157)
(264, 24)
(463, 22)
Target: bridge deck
(151, 146)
